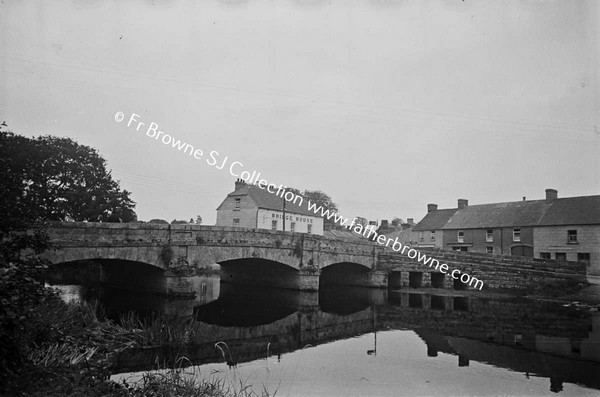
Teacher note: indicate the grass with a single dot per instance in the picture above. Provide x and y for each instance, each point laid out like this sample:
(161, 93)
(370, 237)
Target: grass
(186, 382)
(69, 349)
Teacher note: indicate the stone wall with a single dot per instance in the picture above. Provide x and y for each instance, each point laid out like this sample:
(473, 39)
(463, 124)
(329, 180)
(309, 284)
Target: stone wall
(496, 272)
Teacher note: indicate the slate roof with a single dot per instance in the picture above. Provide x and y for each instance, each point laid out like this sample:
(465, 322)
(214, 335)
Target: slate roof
(583, 210)
(515, 213)
(270, 201)
(343, 234)
(435, 220)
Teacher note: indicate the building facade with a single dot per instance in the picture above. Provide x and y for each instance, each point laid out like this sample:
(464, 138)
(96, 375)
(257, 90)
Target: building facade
(499, 228)
(428, 233)
(570, 230)
(251, 207)
(552, 228)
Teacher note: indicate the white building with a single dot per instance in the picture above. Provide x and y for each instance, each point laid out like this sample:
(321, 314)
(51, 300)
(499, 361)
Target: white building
(251, 207)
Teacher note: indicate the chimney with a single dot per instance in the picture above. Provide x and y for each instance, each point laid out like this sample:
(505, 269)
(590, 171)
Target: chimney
(462, 203)
(384, 223)
(410, 221)
(524, 198)
(551, 195)
(239, 183)
(431, 207)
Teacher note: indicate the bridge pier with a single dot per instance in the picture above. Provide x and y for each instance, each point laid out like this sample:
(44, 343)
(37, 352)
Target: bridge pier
(308, 281)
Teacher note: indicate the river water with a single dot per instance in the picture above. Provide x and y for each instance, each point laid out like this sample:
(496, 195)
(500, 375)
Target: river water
(351, 341)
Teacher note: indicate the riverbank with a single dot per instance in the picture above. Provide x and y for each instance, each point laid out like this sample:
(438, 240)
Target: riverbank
(76, 358)
(52, 348)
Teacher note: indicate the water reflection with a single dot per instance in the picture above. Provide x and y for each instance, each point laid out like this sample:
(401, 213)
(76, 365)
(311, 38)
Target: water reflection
(117, 301)
(244, 307)
(511, 339)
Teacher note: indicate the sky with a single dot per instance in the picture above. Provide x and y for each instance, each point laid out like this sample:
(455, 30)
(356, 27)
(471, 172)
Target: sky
(384, 105)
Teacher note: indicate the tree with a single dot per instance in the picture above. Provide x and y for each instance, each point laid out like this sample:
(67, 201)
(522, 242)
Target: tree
(359, 220)
(161, 221)
(293, 190)
(324, 200)
(57, 179)
(397, 221)
(178, 222)
(198, 219)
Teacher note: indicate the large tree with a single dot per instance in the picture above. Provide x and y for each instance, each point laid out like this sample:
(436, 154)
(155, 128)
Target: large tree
(54, 178)
(324, 200)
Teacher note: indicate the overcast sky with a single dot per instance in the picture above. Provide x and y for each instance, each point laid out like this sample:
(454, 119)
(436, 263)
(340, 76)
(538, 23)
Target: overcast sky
(384, 105)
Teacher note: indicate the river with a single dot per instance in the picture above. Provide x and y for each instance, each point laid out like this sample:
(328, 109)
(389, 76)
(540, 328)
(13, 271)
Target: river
(351, 341)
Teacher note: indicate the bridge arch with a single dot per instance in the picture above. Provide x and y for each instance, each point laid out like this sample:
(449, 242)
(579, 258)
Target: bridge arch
(259, 272)
(151, 256)
(220, 254)
(132, 275)
(344, 273)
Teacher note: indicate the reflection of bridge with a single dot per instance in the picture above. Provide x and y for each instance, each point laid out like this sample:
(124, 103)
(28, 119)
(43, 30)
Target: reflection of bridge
(307, 326)
(282, 259)
(532, 338)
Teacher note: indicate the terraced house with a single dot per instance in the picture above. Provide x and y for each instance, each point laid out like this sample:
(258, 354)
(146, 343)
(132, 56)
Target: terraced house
(428, 232)
(552, 228)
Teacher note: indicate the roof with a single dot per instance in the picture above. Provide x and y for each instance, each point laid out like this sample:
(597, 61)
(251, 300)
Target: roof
(516, 213)
(583, 210)
(271, 201)
(343, 234)
(435, 220)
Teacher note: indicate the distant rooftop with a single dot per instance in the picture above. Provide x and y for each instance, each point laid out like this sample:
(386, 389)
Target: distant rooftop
(435, 220)
(553, 211)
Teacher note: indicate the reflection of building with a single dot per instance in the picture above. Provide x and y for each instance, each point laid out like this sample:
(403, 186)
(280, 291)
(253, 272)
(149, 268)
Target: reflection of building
(553, 228)
(251, 207)
(529, 337)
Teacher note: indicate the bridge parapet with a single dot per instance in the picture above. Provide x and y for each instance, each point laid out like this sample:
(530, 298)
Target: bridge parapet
(204, 245)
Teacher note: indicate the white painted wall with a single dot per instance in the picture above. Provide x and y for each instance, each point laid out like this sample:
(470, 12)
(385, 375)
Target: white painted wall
(266, 217)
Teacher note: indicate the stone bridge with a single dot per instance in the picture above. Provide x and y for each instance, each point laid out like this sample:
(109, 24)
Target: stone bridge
(283, 259)
(257, 257)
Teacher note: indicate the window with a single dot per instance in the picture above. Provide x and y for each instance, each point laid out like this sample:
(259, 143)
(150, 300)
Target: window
(516, 234)
(489, 236)
(309, 230)
(421, 236)
(461, 236)
(572, 236)
(293, 227)
(273, 225)
(236, 222)
(583, 257)
(433, 235)
(237, 204)
(545, 255)
(561, 256)
(489, 250)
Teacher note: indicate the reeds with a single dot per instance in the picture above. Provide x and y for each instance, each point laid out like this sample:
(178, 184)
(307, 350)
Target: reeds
(187, 382)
